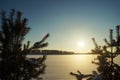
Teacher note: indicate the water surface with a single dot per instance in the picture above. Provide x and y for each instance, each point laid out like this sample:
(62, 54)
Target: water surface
(59, 66)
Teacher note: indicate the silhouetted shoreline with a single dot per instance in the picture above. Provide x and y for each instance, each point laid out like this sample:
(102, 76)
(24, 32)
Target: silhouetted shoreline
(57, 52)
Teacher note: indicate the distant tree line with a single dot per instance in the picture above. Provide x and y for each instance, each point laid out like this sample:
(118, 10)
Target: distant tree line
(50, 52)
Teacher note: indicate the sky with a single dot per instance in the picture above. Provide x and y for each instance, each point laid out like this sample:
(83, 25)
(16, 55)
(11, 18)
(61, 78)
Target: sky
(68, 22)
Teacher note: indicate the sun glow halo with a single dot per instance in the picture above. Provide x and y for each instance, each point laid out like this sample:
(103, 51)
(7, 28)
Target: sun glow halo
(81, 44)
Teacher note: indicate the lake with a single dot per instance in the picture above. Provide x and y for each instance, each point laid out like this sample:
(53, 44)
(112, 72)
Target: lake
(59, 66)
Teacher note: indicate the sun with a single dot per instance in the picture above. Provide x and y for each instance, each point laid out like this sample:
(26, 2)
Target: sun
(81, 44)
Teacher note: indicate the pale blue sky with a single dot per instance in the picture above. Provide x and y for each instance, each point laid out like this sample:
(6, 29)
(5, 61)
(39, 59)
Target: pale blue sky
(68, 21)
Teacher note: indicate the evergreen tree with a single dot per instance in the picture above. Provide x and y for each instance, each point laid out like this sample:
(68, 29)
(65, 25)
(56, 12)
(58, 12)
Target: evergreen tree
(14, 63)
(107, 69)
(106, 54)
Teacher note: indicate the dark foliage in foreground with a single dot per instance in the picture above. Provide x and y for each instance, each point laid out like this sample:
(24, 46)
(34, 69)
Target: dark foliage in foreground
(105, 60)
(14, 63)
(107, 69)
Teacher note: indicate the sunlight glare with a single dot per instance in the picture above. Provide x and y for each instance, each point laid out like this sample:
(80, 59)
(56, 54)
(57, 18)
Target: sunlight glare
(81, 44)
